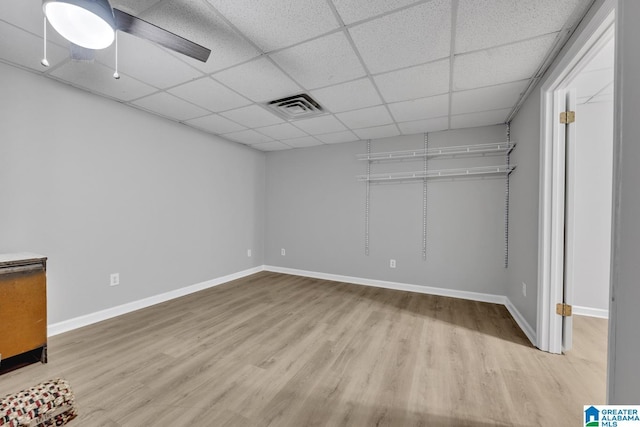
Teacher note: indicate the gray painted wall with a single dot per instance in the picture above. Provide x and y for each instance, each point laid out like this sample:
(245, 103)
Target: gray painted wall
(316, 211)
(591, 200)
(524, 201)
(624, 316)
(100, 188)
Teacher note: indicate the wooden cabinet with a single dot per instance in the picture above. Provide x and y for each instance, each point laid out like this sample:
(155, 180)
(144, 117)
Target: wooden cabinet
(23, 304)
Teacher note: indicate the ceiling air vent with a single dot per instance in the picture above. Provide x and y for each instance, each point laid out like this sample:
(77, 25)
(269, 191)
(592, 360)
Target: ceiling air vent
(296, 107)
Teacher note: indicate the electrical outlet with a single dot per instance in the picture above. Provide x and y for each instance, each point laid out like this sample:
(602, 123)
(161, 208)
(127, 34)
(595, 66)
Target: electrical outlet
(524, 289)
(249, 253)
(114, 279)
(283, 252)
(392, 263)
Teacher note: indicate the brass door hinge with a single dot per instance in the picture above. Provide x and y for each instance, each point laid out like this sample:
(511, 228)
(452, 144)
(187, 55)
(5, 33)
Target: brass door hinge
(563, 310)
(567, 117)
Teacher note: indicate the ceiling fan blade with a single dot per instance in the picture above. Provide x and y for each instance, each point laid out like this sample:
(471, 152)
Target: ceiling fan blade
(146, 30)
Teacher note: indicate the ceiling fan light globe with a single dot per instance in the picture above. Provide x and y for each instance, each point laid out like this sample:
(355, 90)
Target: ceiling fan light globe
(87, 23)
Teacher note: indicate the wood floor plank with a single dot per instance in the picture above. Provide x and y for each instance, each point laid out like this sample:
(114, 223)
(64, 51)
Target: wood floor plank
(280, 350)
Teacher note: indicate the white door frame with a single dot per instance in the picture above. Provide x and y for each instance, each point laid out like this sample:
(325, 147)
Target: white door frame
(551, 194)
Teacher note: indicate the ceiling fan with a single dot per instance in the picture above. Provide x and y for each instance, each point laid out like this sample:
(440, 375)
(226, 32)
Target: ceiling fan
(92, 24)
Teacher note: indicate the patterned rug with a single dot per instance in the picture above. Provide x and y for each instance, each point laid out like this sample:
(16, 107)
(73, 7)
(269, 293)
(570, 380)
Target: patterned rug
(50, 403)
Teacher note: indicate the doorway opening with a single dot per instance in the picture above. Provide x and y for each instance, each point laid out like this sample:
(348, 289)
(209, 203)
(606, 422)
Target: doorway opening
(576, 182)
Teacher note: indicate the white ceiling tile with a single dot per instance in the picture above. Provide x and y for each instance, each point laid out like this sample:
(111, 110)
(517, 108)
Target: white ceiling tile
(305, 141)
(196, 21)
(215, 123)
(603, 59)
(258, 80)
(320, 125)
(147, 62)
(484, 118)
(21, 48)
(168, 105)
(133, 7)
(377, 132)
(486, 23)
(271, 146)
(282, 131)
(209, 94)
(248, 137)
(348, 96)
(252, 116)
(487, 98)
(415, 82)
(98, 78)
(601, 98)
(589, 83)
(28, 15)
(366, 117)
(409, 37)
(356, 10)
(276, 24)
(422, 126)
(338, 137)
(321, 62)
(509, 63)
(423, 108)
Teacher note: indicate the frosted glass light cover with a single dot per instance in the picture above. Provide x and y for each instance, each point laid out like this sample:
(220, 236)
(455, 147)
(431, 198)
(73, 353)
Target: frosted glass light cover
(79, 25)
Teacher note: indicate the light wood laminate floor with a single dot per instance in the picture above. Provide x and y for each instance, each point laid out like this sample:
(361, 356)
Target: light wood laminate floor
(279, 350)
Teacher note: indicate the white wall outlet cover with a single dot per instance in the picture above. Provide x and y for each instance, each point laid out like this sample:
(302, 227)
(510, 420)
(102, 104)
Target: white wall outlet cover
(249, 252)
(283, 252)
(114, 279)
(392, 263)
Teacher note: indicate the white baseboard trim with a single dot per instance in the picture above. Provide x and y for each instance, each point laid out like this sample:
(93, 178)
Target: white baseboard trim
(474, 296)
(591, 312)
(521, 321)
(98, 316)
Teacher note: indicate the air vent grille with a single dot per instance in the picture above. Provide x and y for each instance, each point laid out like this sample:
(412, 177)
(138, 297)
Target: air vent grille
(296, 107)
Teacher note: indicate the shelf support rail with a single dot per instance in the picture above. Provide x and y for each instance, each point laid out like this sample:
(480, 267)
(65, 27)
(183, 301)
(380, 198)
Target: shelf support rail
(506, 202)
(424, 200)
(367, 202)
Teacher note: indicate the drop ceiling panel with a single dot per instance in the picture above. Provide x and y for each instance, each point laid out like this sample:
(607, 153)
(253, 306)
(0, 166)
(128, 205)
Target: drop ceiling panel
(400, 39)
(486, 23)
(590, 83)
(196, 21)
(252, 116)
(366, 117)
(305, 141)
(98, 78)
(282, 131)
(169, 106)
(337, 137)
(320, 125)
(484, 118)
(509, 63)
(248, 137)
(422, 126)
(348, 96)
(276, 24)
(356, 10)
(377, 132)
(209, 94)
(23, 48)
(134, 7)
(487, 98)
(215, 124)
(258, 80)
(271, 146)
(147, 62)
(423, 108)
(415, 82)
(29, 16)
(603, 59)
(321, 62)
